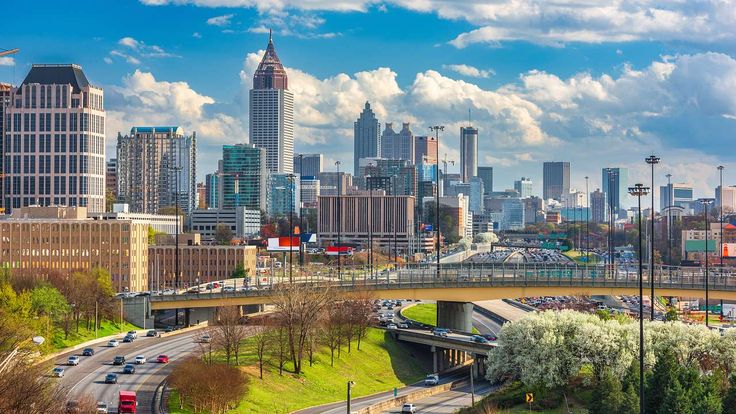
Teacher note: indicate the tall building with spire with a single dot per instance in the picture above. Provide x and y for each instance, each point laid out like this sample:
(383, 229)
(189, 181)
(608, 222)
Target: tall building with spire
(272, 112)
(365, 137)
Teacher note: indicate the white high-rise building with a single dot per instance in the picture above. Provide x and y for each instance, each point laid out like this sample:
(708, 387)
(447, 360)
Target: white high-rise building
(272, 113)
(468, 153)
(54, 144)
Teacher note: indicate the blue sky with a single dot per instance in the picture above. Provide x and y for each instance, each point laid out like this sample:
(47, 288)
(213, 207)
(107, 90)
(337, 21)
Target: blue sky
(595, 84)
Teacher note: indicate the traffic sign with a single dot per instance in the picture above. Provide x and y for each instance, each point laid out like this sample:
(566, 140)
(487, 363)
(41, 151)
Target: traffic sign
(529, 397)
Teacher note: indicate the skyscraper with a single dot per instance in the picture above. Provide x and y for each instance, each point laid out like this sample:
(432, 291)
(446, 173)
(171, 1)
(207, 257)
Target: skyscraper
(111, 177)
(425, 149)
(468, 153)
(154, 163)
(615, 185)
(243, 177)
(398, 145)
(486, 174)
(56, 125)
(307, 165)
(524, 187)
(365, 137)
(283, 195)
(272, 113)
(4, 102)
(555, 180)
(598, 206)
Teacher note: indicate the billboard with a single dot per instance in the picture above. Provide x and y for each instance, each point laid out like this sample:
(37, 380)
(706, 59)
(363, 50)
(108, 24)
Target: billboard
(283, 244)
(339, 251)
(729, 249)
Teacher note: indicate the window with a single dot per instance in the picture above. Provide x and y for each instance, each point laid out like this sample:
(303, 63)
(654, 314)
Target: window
(43, 96)
(64, 93)
(33, 96)
(58, 96)
(72, 122)
(57, 121)
(73, 143)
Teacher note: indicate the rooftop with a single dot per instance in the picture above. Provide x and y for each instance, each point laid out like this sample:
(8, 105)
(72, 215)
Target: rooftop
(57, 74)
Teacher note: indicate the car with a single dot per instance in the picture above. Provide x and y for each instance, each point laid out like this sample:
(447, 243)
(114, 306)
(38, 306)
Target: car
(111, 378)
(162, 359)
(228, 289)
(440, 332)
(432, 379)
(392, 326)
(205, 338)
(113, 343)
(118, 360)
(102, 407)
(403, 325)
(152, 333)
(128, 338)
(478, 339)
(129, 369)
(57, 372)
(408, 408)
(72, 360)
(489, 337)
(169, 329)
(88, 352)
(140, 359)
(134, 334)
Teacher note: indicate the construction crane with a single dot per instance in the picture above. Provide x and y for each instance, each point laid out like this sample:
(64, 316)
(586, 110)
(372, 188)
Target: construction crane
(4, 52)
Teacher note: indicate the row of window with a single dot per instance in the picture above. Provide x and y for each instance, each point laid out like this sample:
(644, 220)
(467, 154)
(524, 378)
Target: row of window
(55, 96)
(42, 185)
(77, 143)
(74, 121)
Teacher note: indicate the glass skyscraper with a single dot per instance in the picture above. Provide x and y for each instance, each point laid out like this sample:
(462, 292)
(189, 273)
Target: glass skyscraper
(243, 177)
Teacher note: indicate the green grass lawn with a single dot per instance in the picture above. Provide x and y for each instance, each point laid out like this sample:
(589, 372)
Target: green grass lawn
(106, 328)
(425, 313)
(380, 365)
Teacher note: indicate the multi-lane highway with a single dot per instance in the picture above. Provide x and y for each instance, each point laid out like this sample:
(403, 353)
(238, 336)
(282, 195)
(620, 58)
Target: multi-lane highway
(88, 377)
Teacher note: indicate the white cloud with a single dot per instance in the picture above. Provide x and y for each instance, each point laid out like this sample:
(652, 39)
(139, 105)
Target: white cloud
(7, 61)
(220, 21)
(128, 58)
(143, 49)
(107, 60)
(196, 35)
(283, 23)
(470, 71)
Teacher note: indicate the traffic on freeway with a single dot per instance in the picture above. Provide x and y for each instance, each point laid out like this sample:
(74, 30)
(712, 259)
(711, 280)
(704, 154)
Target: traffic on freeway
(88, 371)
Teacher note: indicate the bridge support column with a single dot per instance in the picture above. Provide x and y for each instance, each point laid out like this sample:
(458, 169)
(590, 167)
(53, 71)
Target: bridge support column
(434, 359)
(457, 316)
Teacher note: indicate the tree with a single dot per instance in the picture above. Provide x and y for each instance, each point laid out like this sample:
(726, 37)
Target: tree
(332, 331)
(466, 243)
(223, 234)
(240, 272)
(230, 332)
(671, 314)
(278, 341)
(213, 388)
(729, 401)
(259, 347)
(488, 237)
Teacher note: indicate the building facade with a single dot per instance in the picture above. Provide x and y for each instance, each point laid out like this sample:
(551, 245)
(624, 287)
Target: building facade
(398, 145)
(680, 195)
(111, 177)
(54, 144)
(212, 190)
(272, 113)
(309, 191)
(5, 90)
(555, 180)
(468, 153)
(64, 239)
(157, 167)
(332, 182)
(366, 142)
(243, 223)
(524, 187)
(308, 165)
(283, 195)
(243, 179)
(615, 183)
(425, 150)
(598, 206)
(160, 223)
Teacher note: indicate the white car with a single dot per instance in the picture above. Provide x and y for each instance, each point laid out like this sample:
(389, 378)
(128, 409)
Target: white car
(113, 343)
(102, 408)
(205, 338)
(228, 289)
(140, 359)
(408, 408)
(73, 360)
(392, 327)
(58, 372)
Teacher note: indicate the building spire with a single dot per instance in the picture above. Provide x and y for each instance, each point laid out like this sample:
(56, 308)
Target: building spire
(270, 73)
(270, 39)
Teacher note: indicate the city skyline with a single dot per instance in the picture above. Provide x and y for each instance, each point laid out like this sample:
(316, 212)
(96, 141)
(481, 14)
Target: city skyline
(528, 110)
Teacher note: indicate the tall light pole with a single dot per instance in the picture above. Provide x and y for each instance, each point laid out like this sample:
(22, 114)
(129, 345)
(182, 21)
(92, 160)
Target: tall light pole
(351, 384)
(176, 169)
(437, 129)
(720, 212)
(339, 220)
(652, 160)
(301, 212)
(587, 222)
(370, 220)
(292, 180)
(639, 191)
(669, 222)
(705, 202)
(394, 221)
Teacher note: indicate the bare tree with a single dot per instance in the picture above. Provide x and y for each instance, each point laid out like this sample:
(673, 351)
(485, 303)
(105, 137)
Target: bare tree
(230, 332)
(213, 388)
(205, 348)
(362, 308)
(259, 346)
(332, 331)
(278, 342)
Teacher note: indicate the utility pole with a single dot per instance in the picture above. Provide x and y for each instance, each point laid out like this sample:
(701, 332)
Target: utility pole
(177, 169)
(652, 160)
(339, 220)
(437, 129)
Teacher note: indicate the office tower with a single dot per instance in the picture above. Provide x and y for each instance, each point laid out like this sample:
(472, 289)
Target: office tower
(425, 150)
(472, 189)
(398, 145)
(310, 191)
(615, 185)
(533, 210)
(729, 199)
(201, 199)
(524, 187)
(111, 177)
(486, 174)
(366, 143)
(555, 180)
(211, 183)
(154, 164)
(330, 181)
(4, 102)
(681, 195)
(598, 206)
(513, 214)
(243, 177)
(272, 113)
(468, 153)
(283, 195)
(54, 150)
(307, 165)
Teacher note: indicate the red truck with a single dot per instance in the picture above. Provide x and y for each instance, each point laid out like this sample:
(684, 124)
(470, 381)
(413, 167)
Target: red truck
(127, 402)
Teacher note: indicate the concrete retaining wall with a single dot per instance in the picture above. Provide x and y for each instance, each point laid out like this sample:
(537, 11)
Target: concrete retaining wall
(398, 401)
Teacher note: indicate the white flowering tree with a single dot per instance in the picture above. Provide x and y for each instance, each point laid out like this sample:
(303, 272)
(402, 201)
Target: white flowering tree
(488, 237)
(466, 242)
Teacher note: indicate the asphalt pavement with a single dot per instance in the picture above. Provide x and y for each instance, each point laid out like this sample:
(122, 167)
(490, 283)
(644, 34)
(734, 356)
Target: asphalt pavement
(88, 377)
(448, 402)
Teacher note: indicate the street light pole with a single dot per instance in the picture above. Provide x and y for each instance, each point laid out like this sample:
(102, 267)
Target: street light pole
(301, 212)
(669, 223)
(720, 211)
(292, 180)
(437, 129)
(587, 223)
(652, 160)
(351, 384)
(339, 220)
(705, 202)
(638, 191)
(177, 169)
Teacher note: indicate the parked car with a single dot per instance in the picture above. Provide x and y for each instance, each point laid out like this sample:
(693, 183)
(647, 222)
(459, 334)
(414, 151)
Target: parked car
(113, 343)
(431, 379)
(72, 360)
(162, 359)
(140, 359)
(57, 372)
(111, 378)
(88, 352)
(129, 369)
(118, 360)
(102, 407)
(408, 408)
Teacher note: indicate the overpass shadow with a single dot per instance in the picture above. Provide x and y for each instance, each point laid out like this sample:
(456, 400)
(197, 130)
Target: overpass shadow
(410, 362)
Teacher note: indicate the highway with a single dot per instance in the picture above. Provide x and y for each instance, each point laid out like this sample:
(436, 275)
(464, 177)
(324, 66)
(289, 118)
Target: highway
(451, 401)
(88, 377)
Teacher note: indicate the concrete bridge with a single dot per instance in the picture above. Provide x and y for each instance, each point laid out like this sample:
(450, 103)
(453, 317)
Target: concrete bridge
(458, 284)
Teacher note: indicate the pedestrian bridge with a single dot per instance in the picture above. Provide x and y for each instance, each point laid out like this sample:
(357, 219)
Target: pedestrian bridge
(463, 282)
